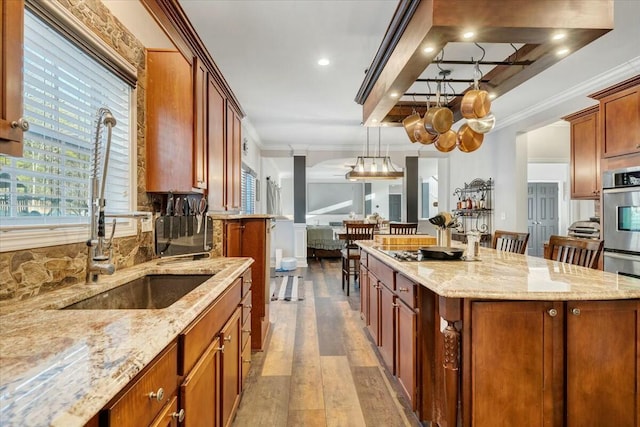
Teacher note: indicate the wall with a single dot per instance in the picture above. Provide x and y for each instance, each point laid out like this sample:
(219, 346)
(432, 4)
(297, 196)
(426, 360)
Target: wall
(30, 272)
(252, 158)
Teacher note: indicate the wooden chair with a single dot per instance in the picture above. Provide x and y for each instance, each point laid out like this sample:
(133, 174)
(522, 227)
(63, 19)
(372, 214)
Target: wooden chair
(351, 251)
(582, 252)
(510, 241)
(403, 227)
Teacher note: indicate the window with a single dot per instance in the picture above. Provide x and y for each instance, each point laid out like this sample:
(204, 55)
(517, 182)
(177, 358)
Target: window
(64, 87)
(248, 189)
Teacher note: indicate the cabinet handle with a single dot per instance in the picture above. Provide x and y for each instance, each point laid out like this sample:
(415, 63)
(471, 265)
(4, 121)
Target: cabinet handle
(575, 311)
(249, 306)
(228, 339)
(220, 349)
(247, 331)
(158, 395)
(21, 123)
(178, 415)
(246, 361)
(248, 281)
(395, 305)
(404, 289)
(552, 312)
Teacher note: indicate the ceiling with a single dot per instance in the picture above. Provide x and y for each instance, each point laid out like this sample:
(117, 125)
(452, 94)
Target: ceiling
(268, 52)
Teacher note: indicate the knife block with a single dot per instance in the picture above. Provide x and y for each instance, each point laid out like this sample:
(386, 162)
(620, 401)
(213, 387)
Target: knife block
(179, 235)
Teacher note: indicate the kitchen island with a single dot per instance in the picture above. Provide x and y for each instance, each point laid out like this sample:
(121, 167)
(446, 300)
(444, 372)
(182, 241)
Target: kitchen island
(506, 340)
(62, 367)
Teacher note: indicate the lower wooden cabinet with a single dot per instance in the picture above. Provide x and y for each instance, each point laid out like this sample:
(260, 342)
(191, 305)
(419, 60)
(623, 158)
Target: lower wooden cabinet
(170, 416)
(406, 350)
(387, 318)
(230, 367)
(373, 308)
(199, 390)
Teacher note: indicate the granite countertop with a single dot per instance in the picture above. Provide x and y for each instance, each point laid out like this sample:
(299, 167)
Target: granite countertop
(509, 276)
(60, 367)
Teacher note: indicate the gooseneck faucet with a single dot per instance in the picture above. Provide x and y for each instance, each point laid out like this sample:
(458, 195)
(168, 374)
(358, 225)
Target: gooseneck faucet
(99, 248)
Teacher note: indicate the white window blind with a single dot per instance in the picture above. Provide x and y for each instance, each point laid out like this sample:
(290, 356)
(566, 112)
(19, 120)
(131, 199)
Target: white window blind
(248, 189)
(63, 90)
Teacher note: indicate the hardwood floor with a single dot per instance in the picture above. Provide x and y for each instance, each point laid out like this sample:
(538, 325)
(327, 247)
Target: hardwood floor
(319, 367)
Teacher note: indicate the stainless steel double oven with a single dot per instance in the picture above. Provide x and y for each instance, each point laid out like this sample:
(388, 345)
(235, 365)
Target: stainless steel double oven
(621, 217)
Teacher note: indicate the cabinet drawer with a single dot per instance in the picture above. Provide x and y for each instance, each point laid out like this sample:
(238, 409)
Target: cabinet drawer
(406, 290)
(196, 337)
(382, 271)
(246, 334)
(246, 308)
(246, 282)
(246, 362)
(136, 407)
(169, 416)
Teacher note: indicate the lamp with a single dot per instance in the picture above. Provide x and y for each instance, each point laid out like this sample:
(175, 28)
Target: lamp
(369, 168)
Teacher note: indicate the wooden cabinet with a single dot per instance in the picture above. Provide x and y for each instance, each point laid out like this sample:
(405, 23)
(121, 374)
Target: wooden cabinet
(146, 395)
(602, 364)
(387, 319)
(364, 292)
(11, 58)
(199, 395)
(585, 154)
(200, 131)
(619, 121)
(234, 160)
(535, 362)
(169, 118)
(230, 367)
(406, 350)
(373, 309)
(217, 111)
(251, 237)
(170, 416)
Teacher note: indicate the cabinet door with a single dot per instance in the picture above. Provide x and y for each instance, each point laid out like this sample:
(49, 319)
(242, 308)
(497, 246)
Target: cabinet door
(169, 118)
(230, 367)
(620, 122)
(233, 160)
(387, 327)
(255, 236)
(199, 390)
(217, 111)
(515, 360)
(406, 347)
(200, 99)
(12, 30)
(233, 238)
(364, 294)
(585, 158)
(603, 363)
(374, 308)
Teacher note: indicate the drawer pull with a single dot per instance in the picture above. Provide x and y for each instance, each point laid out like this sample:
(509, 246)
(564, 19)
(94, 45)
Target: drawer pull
(404, 289)
(248, 281)
(159, 395)
(247, 331)
(228, 339)
(248, 306)
(395, 305)
(178, 415)
(575, 311)
(246, 361)
(221, 348)
(552, 312)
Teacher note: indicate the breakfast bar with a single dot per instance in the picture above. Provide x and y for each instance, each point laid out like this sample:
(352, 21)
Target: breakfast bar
(507, 339)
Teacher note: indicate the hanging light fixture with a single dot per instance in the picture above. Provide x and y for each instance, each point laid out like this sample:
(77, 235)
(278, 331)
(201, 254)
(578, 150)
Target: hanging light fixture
(369, 168)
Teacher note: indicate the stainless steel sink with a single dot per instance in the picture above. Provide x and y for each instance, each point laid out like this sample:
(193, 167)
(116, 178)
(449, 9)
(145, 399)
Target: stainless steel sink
(147, 292)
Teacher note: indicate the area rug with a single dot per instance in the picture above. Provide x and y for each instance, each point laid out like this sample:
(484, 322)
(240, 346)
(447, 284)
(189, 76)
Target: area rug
(288, 288)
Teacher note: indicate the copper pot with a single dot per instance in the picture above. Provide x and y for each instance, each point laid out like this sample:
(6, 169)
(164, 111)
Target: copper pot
(421, 135)
(482, 125)
(438, 120)
(409, 123)
(475, 104)
(468, 140)
(447, 141)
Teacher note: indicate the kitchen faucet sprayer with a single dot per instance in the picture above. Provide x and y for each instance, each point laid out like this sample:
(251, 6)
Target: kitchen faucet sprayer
(100, 248)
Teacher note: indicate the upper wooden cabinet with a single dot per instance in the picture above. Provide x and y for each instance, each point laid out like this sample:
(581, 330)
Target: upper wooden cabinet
(620, 118)
(217, 110)
(200, 103)
(234, 160)
(11, 123)
(585, 154)
(169, 118)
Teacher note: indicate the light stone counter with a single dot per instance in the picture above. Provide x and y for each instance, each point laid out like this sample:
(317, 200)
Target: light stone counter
(60, 367)
(509, 276)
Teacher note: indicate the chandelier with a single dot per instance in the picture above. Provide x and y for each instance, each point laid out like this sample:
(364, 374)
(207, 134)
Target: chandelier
(369, 168)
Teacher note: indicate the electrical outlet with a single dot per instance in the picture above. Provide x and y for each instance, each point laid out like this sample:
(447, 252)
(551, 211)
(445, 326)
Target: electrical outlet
(146, 224)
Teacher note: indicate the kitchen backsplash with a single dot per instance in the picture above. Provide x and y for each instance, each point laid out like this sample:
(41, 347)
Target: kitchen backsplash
(31, 272)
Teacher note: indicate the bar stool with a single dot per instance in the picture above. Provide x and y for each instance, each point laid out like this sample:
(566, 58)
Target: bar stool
(351, 251)
(510, 241)
(582, 252)
(403, 227)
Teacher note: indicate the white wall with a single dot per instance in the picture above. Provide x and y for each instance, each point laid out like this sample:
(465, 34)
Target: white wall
(253, 159)
(550, 144)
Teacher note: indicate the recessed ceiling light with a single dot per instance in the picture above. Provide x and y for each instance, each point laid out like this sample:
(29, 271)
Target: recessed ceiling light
(393, 94)
(558, 36)
(468, 34)
(324, 62)
(384, 124)
(428, 49)
(374, 121)
(492, 95)
(562, 51)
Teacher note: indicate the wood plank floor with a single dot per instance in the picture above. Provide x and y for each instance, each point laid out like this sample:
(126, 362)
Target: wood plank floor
(319, 367)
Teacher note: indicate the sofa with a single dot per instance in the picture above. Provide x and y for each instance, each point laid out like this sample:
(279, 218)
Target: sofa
(322, 242)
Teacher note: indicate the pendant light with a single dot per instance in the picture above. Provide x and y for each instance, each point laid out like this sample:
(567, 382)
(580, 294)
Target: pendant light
(369, 168)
